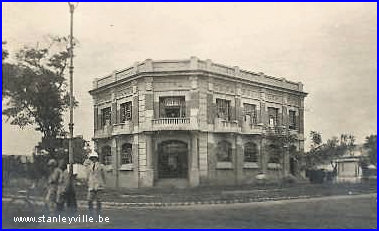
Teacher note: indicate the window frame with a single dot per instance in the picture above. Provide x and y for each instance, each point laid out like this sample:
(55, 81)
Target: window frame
(124, 109)
(129, 155)
(229, 151)
(256, 152)
(292, 120)
(252, 113)
(106, 111)
(223, 109)
(181, 106)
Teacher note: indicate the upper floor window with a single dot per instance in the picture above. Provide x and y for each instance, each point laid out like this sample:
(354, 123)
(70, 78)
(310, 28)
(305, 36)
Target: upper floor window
(250, 113)
(172, 107)
(106, 116)
(292, 119)
(224, 151)
(273, 116)
(251, 152)
(125, 112)
(223, 109)
(126, 154)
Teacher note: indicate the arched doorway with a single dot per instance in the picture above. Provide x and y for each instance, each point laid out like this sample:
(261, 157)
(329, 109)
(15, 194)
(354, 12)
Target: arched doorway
(173, 159)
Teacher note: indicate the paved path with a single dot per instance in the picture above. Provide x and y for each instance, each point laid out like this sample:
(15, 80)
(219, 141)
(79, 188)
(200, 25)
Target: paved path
(355, 211)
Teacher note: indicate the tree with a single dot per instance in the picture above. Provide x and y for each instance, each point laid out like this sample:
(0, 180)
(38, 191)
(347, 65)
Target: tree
(4, 51)
(371, 145)
(278, 145)
(329, 151)
(315, 138)
(34, 89)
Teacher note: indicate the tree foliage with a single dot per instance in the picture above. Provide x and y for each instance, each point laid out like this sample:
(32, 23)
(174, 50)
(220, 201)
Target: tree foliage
(35, 90)
(324, 153)
(315, 138)
(278, 144)
(371, 145)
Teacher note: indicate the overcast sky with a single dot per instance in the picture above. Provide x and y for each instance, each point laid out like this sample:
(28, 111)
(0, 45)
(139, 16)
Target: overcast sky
(330, 47)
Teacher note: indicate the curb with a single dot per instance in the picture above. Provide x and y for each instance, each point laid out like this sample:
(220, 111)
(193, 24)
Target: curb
(121, 205)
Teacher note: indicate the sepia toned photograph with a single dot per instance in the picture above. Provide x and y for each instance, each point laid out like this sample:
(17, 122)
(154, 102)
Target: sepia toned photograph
(189, 115)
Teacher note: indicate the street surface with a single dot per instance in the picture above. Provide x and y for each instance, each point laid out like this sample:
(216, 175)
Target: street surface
(358, 211)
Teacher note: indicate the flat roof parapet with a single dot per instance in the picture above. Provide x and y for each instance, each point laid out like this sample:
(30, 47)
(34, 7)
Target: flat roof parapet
(194, 64)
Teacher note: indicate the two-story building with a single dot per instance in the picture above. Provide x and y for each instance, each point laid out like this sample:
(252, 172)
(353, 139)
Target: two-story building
(191, 122)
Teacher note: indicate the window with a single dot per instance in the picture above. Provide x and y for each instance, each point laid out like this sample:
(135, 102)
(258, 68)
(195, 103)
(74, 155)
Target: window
(273, 116)
(275, 153)
(126, 154)
(125, 112)
(172, 107)
(251, 152)
(106, 155)
(106, 116)
(292, 119)
(223, 109)
(250, 113)
(224, 151)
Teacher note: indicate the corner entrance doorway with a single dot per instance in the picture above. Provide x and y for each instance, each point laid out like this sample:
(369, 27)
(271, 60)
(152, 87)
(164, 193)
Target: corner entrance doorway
(172, 159)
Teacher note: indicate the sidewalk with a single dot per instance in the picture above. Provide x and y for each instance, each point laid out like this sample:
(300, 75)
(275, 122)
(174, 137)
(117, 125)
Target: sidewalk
(157, 197)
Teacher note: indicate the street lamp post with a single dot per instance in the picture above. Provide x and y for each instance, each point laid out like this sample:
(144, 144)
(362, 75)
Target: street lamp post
(71, 69)
(71, 196)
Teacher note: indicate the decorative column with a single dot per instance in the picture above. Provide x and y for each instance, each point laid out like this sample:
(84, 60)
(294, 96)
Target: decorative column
(239, 159)
(263, 154)
(149, 178)
(194, 167)
(286, 157)
(193, 103)
(263, 115)
(117, 141)
(145, 159)
(149, 103)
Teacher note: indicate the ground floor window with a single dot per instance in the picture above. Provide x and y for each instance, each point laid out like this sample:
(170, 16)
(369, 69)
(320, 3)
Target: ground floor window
(251, 152)
(126, 154)
(224, 151)
(106, 155)
(275, 153)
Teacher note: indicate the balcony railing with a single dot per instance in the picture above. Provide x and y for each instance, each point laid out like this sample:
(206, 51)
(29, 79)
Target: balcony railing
(123, 128)
(178, 123)
(222, 125)
(105, 131)
(276, 130)
(252, 128)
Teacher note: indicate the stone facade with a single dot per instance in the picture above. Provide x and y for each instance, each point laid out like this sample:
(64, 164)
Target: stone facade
(192, 122)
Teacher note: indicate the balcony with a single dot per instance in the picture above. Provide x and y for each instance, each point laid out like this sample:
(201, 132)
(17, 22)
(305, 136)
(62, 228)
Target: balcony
(252, 128)
(179, 123)
(222, 125)
(123, 128)
(104, 132)
(276, 130)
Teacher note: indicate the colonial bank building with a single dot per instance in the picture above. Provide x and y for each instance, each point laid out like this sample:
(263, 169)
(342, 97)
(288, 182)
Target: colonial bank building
(192, 122)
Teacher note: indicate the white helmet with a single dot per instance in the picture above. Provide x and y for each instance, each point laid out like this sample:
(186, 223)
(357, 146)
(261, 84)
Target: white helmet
(93, 154)
(52, 162)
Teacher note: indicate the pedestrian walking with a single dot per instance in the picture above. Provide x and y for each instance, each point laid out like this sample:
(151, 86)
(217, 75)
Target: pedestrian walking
(63, 185)
(96, 182)
(52, 186)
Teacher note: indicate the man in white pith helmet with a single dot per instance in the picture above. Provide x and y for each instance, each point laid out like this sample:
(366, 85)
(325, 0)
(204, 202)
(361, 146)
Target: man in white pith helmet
(52, 186)
(96, 181)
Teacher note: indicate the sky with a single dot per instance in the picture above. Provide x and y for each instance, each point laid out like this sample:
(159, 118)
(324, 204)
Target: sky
(330, 47)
